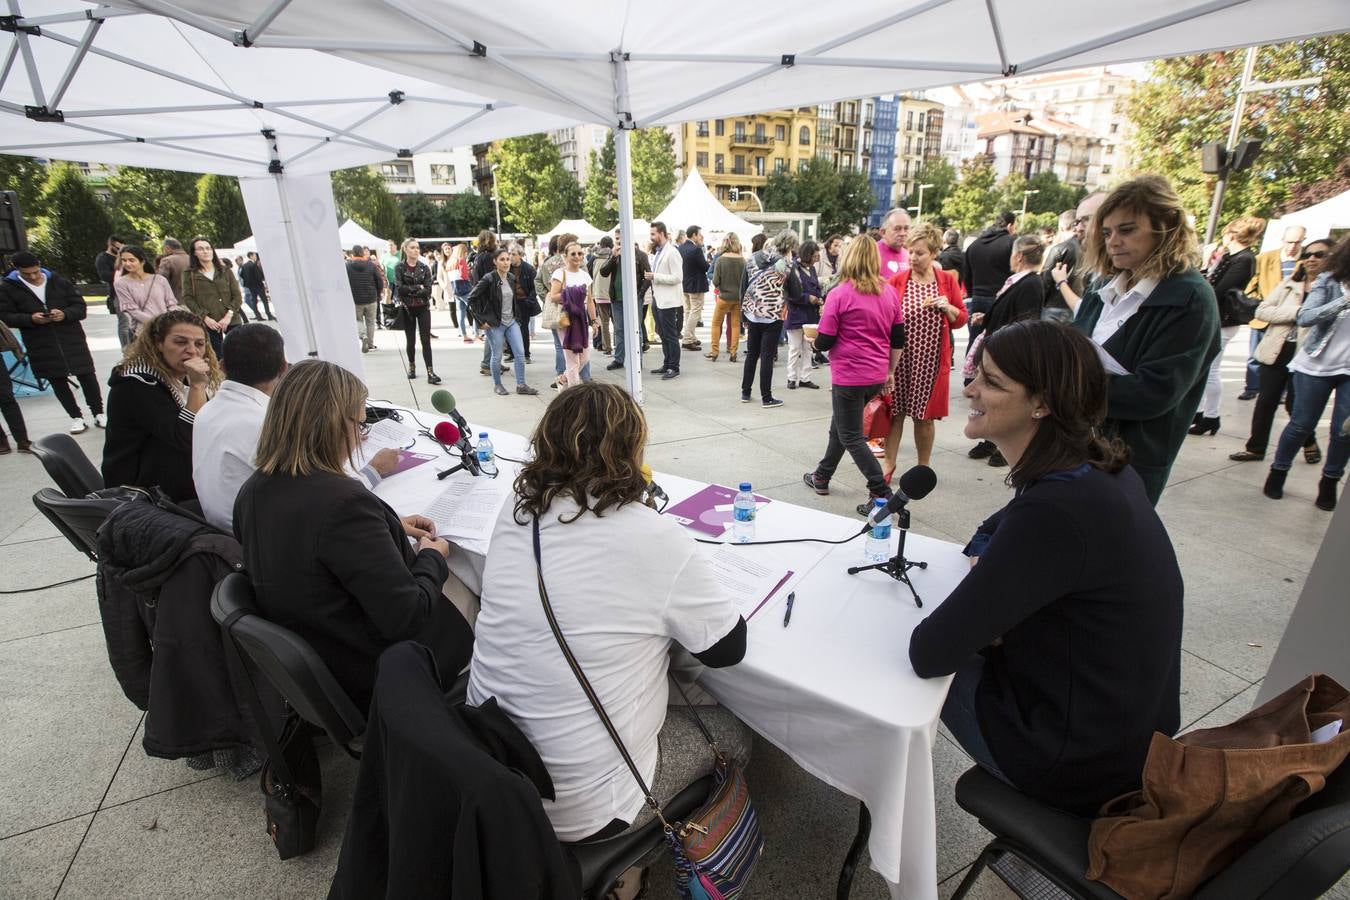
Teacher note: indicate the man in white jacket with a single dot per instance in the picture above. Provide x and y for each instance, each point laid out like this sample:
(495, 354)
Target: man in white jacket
(667, 277)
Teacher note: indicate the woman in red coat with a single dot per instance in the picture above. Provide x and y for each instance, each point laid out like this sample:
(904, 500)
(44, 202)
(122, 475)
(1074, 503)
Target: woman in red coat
(934, 305)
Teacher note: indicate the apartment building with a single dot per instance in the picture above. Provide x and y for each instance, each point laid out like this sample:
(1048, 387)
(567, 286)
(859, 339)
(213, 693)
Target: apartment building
(743, 151)
(918, 140)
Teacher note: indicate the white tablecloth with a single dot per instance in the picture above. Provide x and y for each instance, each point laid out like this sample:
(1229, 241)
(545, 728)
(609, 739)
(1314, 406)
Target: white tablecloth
(834, 689)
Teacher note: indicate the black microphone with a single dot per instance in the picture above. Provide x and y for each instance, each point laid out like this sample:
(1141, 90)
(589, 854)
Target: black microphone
(915, 484)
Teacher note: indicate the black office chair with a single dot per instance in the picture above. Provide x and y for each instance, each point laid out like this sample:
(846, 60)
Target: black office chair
(78, 520)
(286, 661)
(67, 464)
(603, 862)
(1301, 860)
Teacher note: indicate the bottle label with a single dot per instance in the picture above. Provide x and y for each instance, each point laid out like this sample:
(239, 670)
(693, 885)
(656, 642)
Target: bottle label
(745, 513)
(882, 532)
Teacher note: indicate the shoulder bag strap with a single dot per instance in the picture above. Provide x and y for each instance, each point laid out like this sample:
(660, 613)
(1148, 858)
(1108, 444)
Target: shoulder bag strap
(585, 682)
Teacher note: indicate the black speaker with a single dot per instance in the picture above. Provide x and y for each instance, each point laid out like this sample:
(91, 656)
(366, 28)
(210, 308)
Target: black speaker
(13, 238)
(1245, 153)
(1213, 159)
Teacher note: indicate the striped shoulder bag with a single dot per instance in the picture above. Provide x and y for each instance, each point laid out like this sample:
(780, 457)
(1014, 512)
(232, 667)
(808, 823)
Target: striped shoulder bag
(716, 848)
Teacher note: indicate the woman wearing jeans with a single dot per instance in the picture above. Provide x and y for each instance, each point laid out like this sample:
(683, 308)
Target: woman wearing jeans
(493, 302)
(763, 311)
(863, 329)
(1321, 368)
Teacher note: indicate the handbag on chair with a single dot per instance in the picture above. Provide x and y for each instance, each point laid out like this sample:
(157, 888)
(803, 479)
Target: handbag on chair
(716, 848)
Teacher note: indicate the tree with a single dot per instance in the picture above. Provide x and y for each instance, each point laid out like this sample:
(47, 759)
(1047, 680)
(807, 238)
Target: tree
(154, 203)
(653, 164)
(1189, 101)
(942, 176)
(467, 214)
(421, 216)
(572, 199)
(26, 177)
(386, 220)
(221, 216)
(972, 204)
(842, 199)
(74, 227)
(356, 194)
(531, 180)
(601, 202)
(1052, 195)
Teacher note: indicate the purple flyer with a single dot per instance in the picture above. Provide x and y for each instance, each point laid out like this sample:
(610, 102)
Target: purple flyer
(709, 510)
(407, 460)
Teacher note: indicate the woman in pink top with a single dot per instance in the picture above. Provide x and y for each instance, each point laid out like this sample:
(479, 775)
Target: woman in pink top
(141, 294)
(862, 328)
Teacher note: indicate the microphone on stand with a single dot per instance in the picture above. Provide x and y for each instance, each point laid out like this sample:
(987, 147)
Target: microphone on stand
(444, 403)
(654, 492)
(915, 484)
(448, 435)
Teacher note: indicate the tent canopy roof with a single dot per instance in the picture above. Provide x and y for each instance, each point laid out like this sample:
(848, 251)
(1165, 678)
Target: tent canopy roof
(586, 232)
(1319, 219)
(694, 204)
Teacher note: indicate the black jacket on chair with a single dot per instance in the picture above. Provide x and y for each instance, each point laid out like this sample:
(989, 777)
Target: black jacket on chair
(447, 803)
(157, 567)
(330, 561)
(1022, 300)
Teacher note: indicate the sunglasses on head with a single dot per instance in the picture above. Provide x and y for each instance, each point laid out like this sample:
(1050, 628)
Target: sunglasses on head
(1314, 254)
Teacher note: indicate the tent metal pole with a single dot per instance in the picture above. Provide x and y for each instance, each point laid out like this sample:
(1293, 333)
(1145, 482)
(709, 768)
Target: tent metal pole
(1125, 34)
(350, 45)
(34, 80)
(467, 104)
(268, 15)
(997, 28)
(336, 101)
(873, 27)
(912, 65)
(455, 127)
(153, 110)
(8, 64)
(635, 329)
(103, 12)
(345, 132)
(64, 84)
(178, 14)
(301, 295)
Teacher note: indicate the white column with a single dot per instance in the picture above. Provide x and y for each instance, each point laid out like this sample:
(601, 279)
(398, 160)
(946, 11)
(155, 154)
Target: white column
(295, 226)
(632, 309)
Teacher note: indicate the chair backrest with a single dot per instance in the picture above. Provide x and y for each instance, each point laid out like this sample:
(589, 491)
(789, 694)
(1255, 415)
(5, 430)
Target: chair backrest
(65, 461)
(287, 662)
(77, 519)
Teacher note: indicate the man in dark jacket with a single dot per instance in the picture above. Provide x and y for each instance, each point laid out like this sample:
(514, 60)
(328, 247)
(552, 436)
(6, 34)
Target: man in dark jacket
(695, 285)
(172, 263)
(254, 283)
(613, 269)
(987, 266)
(47, 310)
(105, 264)
(364, 277)
(952, 258)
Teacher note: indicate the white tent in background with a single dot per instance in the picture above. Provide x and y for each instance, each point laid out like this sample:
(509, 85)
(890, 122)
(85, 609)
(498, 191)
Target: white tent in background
(694, 204)
(1328, 218)
(586, 232)
(350, 234)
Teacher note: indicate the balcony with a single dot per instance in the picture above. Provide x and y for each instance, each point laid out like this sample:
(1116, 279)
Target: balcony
(399, 179)
(746, 173)
(751, 140)
(848, 118)
(482, 173)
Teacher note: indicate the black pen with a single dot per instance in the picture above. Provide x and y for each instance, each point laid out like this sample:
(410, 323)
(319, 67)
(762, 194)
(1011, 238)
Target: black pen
(787, 616)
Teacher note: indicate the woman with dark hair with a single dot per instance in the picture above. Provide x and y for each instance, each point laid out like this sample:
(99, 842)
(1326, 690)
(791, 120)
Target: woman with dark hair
(526, 303)
(167, 374)
(1231, 271)
(1276, 350)
(1065, 639)
(211, 291)
(1321, 368)
(803, 310)
(141, 294)
(580, 497)
(413, 280)
(493, 302)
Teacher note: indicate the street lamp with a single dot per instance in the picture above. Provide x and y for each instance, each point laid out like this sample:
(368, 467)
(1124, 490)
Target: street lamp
(496, 201)
(1025, 195)
(918, 210)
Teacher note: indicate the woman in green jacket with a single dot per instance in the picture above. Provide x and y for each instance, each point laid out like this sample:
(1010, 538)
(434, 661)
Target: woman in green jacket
(212, 292)
(1154, 320)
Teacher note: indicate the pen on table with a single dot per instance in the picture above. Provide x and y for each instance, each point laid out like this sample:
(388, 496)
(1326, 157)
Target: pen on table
(787, 616)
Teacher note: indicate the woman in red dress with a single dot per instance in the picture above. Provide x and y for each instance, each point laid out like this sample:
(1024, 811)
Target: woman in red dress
(934, 305)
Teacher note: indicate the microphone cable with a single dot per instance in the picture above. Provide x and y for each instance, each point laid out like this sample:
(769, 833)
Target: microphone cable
(865, 529)
(46, 586)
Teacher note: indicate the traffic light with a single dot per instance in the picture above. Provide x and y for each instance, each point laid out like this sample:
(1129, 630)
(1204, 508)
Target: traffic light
(734, 195)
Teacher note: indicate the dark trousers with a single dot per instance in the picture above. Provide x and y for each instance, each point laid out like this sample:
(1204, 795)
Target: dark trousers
(846, 433)
(624, 333)
(92, 395)
(761, 344)
(253, 298)
(977, 304)
(668, 325)
(1273, 379)
(9, 407)
(419, 318)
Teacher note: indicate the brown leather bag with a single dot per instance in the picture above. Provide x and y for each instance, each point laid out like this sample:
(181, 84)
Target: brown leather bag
(1211, 794)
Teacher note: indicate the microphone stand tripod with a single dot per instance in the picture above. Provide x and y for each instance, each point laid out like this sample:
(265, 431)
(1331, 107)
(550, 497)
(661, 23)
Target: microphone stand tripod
(897, 566)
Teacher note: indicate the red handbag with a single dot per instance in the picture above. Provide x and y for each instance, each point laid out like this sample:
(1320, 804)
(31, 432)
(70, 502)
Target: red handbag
(877, 416)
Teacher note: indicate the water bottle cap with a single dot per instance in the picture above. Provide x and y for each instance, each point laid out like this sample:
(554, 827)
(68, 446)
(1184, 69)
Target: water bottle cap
(879, 502)
(745, 485)
(482, 434)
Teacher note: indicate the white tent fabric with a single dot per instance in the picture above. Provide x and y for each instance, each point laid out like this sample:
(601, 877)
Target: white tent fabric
(350, 234)
(694, 204)
(586, 232)
(1320, 219)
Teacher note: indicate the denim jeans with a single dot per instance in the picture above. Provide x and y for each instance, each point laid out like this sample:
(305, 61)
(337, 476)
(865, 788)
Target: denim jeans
(1253, 382)
(958, 714)
(1311, 393)
(510, 336)
(668, 324)
(846, 433)
(978, 304)
(621, 333)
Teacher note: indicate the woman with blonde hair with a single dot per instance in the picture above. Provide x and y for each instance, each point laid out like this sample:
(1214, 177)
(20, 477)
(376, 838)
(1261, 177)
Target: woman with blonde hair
(577, 499)
(933, 304)
(1154, 317)
(728, 270)
(862, 328)
(168, 372)
(327, 558)
(1229, 274)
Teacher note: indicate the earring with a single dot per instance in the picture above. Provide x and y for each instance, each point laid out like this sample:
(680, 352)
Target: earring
(1035, 415)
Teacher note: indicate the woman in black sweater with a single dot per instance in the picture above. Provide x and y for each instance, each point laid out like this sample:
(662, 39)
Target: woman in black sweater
(1066, 637)
(167, 374)
(1232, 271)
(330, 560)
(413, 279)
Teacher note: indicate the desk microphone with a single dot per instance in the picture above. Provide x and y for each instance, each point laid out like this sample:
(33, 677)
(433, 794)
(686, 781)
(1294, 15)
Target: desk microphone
(653, 489)
(448, 435)
(915, 484)
(444, 403)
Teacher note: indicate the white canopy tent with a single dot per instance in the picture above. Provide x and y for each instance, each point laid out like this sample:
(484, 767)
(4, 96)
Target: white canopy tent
(586, 232)
(1321, 219)
(694, 204)
(350, 234)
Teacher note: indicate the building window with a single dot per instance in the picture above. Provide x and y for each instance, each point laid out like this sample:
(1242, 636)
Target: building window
(721, 127)
(909, 145)
(1106, 170)
(779, 165)
(1082, 90)
(701, 130)
(918, 146)
(719, 164)
(701, 160)
(780, 132)
(759, 132)
(442, 173)
(1115, 127)
(804, 136)
(397, 172)
(904, 169)
(909, 120)
(759, 165)
(739, 134)
(801, 165)
(739, 167)
(1110, 88)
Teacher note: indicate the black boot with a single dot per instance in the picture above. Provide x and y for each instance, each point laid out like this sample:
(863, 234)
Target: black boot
(1274, 488)
(1206, 425)
(1326, 494)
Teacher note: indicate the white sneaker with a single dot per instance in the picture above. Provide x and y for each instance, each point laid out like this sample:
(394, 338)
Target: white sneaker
(77, 426)
(101, 420)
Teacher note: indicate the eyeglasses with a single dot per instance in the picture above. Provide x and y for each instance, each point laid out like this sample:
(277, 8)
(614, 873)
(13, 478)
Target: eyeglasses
(577, 255)
(1314, 254)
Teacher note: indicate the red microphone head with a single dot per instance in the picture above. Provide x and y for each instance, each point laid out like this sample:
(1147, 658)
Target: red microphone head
(446, 432)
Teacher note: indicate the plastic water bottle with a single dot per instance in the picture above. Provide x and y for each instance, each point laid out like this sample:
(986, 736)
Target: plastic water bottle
(878, 546)
(484, 448)
(743, 527)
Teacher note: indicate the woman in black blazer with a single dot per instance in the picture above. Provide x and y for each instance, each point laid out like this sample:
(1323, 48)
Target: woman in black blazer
(330, 560)
(1231, 271)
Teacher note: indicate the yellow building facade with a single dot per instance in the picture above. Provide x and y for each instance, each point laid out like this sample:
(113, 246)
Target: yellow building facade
(741, 152)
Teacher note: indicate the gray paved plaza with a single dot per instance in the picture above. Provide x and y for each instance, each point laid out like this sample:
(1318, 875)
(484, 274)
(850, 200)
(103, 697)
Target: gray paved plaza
(85, 813)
